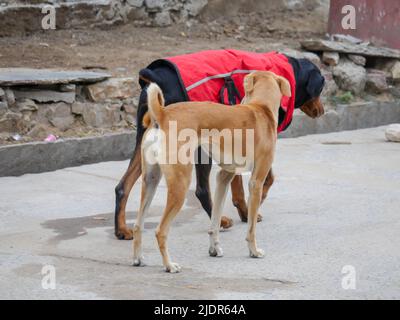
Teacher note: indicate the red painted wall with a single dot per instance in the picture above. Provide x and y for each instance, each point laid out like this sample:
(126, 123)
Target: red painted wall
(377, 21)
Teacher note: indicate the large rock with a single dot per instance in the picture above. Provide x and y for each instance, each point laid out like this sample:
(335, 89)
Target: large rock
(135, 3)
(360, 60)
(155, 5)
(115, 88)
(350, 77)
(44, 96)
(395, 71)
(330, 58)
(194, 7)
(376, 81)
(3, 107)
(162, 19)
(60, 116)
(100, 115)
(10, 97)
(10, 122)
(330, 87)
(393, 133)
(27, 105)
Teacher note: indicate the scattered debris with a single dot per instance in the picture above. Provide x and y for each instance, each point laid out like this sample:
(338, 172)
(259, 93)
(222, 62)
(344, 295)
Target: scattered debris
(16, 137)
(393, 133)
(51, 138)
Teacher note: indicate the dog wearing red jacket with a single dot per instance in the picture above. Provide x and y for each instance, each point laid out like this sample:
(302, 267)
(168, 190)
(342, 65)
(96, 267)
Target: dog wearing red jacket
(217, 76)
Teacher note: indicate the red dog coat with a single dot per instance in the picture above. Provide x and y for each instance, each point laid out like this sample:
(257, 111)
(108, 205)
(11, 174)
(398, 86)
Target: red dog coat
(205, 73)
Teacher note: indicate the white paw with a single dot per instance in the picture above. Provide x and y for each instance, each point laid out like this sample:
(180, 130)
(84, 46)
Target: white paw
(258, 253)
(216, 251)
(173, 268)
(138, 262)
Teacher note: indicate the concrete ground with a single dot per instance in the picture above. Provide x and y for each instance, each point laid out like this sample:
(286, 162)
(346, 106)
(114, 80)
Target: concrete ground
(334, 212)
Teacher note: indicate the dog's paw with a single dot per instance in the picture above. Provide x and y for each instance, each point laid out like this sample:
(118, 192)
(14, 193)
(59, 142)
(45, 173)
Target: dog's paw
(138, 262)
(173, 268)
(259, 218)
(124, 234)
(226, 222)
(258, 253)
(216, 251)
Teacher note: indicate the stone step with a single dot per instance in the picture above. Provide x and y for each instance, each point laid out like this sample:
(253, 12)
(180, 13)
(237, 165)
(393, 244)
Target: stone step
(25, 76)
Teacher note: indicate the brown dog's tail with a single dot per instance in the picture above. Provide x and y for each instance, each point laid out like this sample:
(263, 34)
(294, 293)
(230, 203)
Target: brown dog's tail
(155, 102)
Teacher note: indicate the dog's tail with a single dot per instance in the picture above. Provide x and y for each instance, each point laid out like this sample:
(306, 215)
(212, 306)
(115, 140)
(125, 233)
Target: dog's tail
(155, 101)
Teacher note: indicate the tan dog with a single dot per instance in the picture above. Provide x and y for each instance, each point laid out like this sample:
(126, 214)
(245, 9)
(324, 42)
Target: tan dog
(259, 112)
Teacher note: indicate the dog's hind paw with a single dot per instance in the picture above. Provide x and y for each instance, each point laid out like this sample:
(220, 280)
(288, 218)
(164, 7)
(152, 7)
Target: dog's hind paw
(173, 268)
(258, 253)
(216, 251)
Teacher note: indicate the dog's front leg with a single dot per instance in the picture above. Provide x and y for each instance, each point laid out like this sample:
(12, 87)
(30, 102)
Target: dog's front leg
(255, 187)
(223, 180)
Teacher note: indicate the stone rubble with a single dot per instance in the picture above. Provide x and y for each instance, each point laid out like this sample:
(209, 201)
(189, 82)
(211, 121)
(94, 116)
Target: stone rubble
(53, 102)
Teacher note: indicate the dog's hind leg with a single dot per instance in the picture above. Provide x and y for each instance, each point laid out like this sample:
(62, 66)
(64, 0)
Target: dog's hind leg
(151, 179)
(203, 169)
(223, 180)
(178, 181)
(267, 185)
(239, 200)
(134, 171)
(122, 232)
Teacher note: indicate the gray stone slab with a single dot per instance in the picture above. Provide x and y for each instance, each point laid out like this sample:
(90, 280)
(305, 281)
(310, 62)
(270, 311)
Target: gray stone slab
(43, 156)
(26, 76)
(343, 47)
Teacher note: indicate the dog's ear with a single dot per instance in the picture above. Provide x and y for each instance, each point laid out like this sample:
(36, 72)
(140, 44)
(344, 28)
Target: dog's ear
(315, 84)
(146, 76)
(284, 85)
(248, 83)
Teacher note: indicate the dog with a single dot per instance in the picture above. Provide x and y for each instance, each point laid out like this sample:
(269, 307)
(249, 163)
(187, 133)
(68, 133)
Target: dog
(259, 112)
(308, 87)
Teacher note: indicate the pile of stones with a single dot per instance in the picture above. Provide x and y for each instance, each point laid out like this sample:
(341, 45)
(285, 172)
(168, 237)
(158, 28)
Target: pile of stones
(356, 67)
(34, 103)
